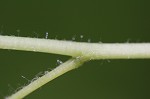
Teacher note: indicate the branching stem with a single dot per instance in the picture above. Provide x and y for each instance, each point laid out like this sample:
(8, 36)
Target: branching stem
(80, 51)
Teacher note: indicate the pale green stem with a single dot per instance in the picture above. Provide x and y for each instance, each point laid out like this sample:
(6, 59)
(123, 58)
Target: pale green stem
(63, 68)
(75, 49)
(87, 51)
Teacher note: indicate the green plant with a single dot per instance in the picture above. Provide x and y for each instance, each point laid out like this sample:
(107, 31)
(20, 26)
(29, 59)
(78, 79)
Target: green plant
(81, 52)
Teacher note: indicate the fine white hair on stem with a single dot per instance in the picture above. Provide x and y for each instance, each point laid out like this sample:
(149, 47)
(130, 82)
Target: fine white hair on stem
(75, 49)
(80, 51)
(63, 68)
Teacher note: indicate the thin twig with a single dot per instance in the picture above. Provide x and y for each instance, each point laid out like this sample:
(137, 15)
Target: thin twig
(63, 68)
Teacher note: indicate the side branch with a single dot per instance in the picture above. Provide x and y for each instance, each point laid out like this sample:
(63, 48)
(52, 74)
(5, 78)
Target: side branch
(63, 68)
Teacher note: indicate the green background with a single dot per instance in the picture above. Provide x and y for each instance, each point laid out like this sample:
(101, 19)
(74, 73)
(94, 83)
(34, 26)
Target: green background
(99, 20)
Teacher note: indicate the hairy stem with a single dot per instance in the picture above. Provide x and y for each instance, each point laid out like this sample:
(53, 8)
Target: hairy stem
(75, 49)
(63, 68)
(87, 51)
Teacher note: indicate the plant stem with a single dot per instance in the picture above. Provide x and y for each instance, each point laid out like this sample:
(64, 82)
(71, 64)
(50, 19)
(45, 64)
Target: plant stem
(63, 68)
(75, 49)
(87, 51)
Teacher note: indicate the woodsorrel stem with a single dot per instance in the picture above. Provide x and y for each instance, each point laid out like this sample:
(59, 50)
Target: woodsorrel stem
(82, 51)
(63, 68)
(75, 49)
